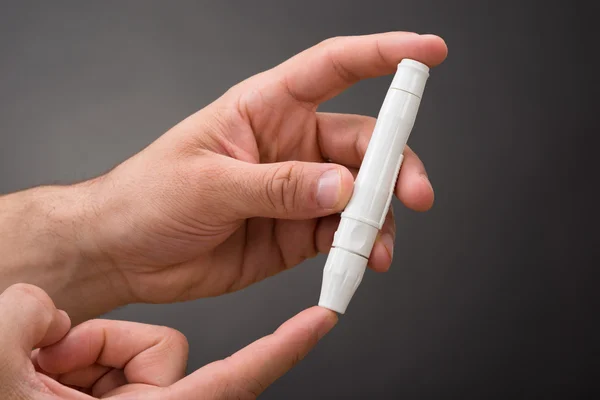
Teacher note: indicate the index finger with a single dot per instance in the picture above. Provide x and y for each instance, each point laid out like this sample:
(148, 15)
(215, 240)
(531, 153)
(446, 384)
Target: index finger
(28, 319)
(154, 355)
(325, 70)
(247, 373)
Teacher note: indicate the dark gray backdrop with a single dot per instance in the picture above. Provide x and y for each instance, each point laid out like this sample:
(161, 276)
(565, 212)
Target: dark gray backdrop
(486, 294)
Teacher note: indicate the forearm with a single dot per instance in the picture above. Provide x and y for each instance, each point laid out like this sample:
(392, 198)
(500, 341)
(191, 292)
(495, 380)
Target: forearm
(45, 240)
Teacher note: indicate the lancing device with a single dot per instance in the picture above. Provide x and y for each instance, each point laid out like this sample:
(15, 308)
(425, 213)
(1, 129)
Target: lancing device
(365, 213)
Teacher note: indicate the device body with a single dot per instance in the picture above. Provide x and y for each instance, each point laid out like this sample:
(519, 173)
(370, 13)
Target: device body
(365, 213)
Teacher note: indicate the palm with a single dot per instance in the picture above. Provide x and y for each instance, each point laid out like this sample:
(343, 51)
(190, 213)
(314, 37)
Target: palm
(271, 118)
(266, 246)
(246, 252)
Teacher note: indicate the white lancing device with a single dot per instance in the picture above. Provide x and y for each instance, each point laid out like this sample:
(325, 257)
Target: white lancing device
(365, 213)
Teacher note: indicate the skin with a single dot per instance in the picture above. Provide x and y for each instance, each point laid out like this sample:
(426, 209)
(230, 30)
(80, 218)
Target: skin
(126, 360)
(245, 188)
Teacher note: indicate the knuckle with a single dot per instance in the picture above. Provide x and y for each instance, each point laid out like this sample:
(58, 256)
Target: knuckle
(360, 146)
(380, 54)
(30, 294)
(234, 386)
(283, 184)
(247, 387)
(31, 300)
(23, 288)
(333, 54)
(296, 359)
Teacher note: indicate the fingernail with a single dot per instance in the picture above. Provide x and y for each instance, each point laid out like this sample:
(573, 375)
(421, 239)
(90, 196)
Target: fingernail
(425, 177)
(388, 243)
(329, 187)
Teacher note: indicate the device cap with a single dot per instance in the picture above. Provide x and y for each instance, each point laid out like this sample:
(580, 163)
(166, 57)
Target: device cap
(411, 77)
(342, 274)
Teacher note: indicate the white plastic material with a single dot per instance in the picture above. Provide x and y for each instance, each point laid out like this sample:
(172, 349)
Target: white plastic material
(355, 235)
(411, 77)
(374, 187)
(339, 284)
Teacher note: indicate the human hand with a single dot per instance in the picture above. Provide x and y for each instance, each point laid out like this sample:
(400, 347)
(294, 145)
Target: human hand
(125, 360)
(243, 189)
(230, 196)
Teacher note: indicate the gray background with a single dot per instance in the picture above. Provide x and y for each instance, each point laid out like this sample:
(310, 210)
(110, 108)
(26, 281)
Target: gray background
(488, 292)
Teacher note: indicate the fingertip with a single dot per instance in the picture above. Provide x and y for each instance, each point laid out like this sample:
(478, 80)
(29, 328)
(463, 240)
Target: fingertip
(388, 245)
(65, 319)
(416, 193)
(320, 313)
(430, 192)
(333, 188)
(327, 314)
(347, 182)
(58, 328)
(320, 320)
(328, 320)
(437, 48)
(381, 258)
(424, 194)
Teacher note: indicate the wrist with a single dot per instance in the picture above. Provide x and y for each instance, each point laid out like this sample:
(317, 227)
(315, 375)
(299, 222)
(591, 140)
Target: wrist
(47, 241)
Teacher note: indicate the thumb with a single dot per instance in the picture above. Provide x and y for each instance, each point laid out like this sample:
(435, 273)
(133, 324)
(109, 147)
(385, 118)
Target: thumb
(28, 319)
(247, 373)
(286, 190)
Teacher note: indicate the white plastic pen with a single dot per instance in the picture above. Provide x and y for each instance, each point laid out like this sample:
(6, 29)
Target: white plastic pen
(365, 213)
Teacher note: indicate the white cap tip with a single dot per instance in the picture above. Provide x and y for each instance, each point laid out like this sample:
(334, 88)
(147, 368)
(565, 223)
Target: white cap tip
(411, 77)
(407, 62)
(341, 277)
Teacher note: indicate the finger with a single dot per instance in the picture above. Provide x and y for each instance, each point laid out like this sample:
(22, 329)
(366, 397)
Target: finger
(325, 231)
(343, 139)
(248, 372)
(325, 70)
(60, 391)
(110, 381)
(381, 256)
(328, 225)
(413, 187)
(29, 319)
(382, 253)
(72, 384)
(85, 377)
(36, 365)
(285, 190)
(295, 241)
(147, 354)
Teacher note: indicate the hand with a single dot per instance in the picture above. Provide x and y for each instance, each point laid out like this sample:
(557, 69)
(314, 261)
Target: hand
(243, 189)
(247, 187)
(125, 360)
